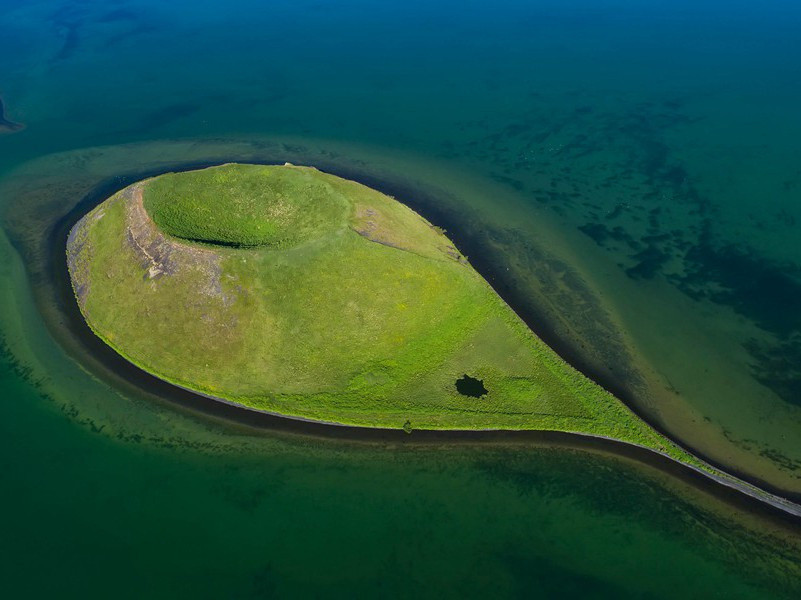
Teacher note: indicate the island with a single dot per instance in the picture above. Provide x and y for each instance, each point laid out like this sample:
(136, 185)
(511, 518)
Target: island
(284, 289)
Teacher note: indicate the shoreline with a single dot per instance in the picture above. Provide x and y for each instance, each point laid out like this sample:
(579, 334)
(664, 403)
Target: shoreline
(462, 435)
(212, 406)
(742, 487)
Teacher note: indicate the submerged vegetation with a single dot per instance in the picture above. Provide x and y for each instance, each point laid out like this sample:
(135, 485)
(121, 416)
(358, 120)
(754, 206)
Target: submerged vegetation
(288, 290)
(7, 126)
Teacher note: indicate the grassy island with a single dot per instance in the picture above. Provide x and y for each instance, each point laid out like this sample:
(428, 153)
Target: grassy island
(292, 291)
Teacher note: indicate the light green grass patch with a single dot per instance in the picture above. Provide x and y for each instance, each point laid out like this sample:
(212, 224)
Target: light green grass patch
(238, 205)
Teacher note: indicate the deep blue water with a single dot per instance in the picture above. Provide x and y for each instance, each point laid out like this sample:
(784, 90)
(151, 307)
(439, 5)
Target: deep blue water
(627, 171)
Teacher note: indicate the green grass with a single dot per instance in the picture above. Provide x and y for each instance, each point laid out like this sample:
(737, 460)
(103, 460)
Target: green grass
(341, 305)
(236, 205)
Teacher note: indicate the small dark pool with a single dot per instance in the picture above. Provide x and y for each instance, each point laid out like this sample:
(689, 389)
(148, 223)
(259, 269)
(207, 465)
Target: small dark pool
(470, 386)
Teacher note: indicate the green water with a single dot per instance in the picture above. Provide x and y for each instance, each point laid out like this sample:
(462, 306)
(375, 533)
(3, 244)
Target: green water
(89, 516)
(623, 173)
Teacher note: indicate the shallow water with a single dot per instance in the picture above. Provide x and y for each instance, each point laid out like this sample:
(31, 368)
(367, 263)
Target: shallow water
(624, 172)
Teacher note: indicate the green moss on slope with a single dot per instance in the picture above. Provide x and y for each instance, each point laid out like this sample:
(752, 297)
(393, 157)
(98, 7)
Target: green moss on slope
(237, 205)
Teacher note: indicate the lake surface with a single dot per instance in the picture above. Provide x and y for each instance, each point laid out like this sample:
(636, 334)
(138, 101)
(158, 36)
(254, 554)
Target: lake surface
(625, 173)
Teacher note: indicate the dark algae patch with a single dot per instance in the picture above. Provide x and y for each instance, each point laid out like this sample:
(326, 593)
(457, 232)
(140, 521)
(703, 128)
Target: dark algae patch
(768, 293)
(601, 486)
(469, 386)
(7, 126)
(642, 204)
(777, 366)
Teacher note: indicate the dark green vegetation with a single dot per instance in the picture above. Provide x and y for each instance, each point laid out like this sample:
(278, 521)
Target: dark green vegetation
(352, 309)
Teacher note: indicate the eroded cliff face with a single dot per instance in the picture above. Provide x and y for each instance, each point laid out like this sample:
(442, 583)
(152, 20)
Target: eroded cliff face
(158, 255)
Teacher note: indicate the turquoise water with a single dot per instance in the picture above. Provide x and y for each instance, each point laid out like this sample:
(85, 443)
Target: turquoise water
(624, 172)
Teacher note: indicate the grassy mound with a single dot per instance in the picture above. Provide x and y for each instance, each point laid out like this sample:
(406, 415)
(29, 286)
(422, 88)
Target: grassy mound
(238, 205)
(340, 305)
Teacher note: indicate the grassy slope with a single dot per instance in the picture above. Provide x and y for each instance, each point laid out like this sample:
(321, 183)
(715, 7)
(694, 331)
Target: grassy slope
(280, 211)
(369, 328)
